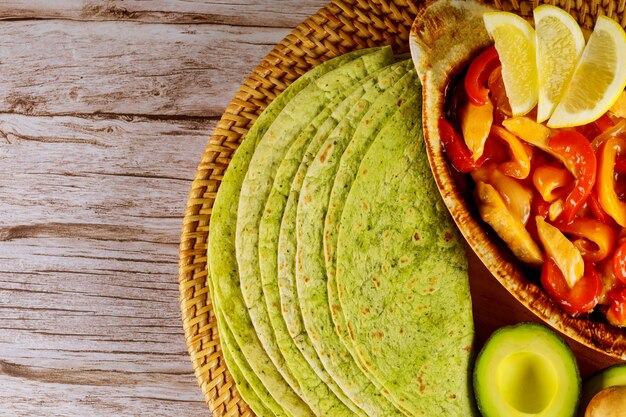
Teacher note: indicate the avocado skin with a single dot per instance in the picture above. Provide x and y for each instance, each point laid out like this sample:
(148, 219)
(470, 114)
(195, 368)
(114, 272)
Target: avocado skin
(609, 377)
(506, 334)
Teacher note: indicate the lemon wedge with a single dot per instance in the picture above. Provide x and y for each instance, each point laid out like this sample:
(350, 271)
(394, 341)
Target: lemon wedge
(560, 43)
(599, 78)
(515, 42)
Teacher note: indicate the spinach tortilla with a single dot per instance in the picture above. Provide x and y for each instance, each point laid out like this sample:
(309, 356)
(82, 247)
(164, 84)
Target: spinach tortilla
(402, 278)
(402, 94)
(407, 98)
(310, 272)
(224, 274)
(255, 189)
(248, 384)
(251, 389)
(289, 177)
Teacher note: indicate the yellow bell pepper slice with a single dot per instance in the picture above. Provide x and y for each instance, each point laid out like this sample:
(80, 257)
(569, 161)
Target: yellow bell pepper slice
(605, 181)
(476, 124)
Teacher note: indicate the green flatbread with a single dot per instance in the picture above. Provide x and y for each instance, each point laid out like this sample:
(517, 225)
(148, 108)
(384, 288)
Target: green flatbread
(293, 165)
(244, 388)
(224, 276)
(258, 399)
(256, 186)
(405, 94)
(248, 384)
(402, 277)
(311, 278)
(251, 389)
(313, 380)
(401, 94)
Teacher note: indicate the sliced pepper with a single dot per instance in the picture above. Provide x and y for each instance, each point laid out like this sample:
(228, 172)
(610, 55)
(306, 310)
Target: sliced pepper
(604, 122)
(596, 240)
(530, 132)
(477, 76)
(609, 282)
(579, 299)
(620, 166)
(615, 130)
(619, 263)
(498, 95)
(563, 252)
(519, 164)
(597, 127)
(550, 181)
(578, 156)
(596, 208)
(540, 207)
(607, 196)
(458, 153)
(476, 124)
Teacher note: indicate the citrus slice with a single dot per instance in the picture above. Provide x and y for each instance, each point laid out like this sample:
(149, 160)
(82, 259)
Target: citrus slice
(560, 43)
(599, 78)
(515, 42)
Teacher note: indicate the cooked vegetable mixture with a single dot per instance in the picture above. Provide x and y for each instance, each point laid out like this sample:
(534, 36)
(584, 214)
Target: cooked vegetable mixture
(554, 196)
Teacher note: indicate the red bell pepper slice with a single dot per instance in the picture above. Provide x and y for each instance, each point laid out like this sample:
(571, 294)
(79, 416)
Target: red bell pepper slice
(540, 207)
(581, 298)
(619, 263)
(604, 123)
(598, 211)
(580, 160)
(459, 154)
(477, 76)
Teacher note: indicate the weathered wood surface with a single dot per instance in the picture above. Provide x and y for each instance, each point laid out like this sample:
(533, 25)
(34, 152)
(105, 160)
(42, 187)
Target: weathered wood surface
(105, 109)
(263, 13)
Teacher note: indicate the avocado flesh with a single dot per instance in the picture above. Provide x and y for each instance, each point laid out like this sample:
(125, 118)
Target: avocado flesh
(610, 377)
(526, 370)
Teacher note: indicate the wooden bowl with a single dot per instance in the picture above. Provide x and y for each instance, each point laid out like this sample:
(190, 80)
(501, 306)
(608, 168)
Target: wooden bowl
(443, 40)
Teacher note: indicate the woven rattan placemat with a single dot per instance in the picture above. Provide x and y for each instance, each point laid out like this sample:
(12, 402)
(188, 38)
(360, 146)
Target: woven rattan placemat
(340, 27)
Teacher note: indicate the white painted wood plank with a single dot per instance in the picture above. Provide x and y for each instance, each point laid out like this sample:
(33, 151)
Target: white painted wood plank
(274, 13)
(105, 109)
(89, 304)
(64, 67)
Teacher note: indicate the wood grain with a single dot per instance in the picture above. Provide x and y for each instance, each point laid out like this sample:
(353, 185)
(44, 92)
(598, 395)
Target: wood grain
(88, 248)
(67, 67)
(266, 13)
(105, 109)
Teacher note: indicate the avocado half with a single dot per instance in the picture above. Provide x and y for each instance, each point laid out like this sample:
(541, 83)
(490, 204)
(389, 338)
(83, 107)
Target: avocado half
(612, 376)
(526, 370)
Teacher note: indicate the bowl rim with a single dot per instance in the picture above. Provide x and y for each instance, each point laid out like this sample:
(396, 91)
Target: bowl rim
(600, 336)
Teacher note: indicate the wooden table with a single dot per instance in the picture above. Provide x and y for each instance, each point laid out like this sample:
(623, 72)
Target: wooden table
(105, 109)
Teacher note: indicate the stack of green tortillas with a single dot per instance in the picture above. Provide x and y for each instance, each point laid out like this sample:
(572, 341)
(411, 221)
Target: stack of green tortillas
(338, 280)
